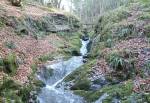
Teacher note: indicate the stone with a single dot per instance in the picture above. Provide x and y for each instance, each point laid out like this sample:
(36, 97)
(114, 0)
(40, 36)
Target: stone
(16, 2)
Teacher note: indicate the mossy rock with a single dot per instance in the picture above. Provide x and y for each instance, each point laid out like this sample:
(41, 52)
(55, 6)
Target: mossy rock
(121, 90)
(84, 84)
(81, 73)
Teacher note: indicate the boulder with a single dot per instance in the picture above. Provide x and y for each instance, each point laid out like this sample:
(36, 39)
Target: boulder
(16, 2)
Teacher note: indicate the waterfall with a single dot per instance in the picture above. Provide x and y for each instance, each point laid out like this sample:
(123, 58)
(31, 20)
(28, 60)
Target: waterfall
(53, 94)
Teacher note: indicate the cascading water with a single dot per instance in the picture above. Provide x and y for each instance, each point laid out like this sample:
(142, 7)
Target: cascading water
(53, 94)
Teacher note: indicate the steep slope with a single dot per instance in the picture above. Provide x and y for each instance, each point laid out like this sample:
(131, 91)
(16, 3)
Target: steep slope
(30, 36)
(118, 66)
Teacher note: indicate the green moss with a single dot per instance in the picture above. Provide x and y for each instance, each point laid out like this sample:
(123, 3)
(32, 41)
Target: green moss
(116, 61)
(124, 31)
(145, 16)
(95, 51)
(34, 68)
(107, 21)
(122, 64)
(2, 22)
(83, 84)
(81, 73)
(47, 57)
(9, 89)
(147, 30)
(73, 43)
(138, 98)
(121, 90)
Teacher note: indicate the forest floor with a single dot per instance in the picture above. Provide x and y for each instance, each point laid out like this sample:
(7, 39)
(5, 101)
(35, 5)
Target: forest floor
(27, 48)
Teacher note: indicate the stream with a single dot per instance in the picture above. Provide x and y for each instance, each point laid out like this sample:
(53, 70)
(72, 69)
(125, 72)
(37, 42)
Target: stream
(52, 93)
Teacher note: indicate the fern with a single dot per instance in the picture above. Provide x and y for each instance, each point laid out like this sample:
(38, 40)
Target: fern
(116, 61)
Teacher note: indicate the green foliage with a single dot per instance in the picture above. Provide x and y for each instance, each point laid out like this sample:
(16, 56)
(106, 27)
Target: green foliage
(80, 77)
(124, 31)
(10, 64)
(122, 64)
(47, 57)
(2, 22)
(34, 68)
(145, 16)
(147, 30)
(139, 98)
(9, 89)
(81, 73)
(10, 45)
(120, 90)
(34, 85)
(1, 64)
(146, 69)
(116, 61)
(109, 43)
(7, 85)
(96, 49)
(73, 43)
(145, 1)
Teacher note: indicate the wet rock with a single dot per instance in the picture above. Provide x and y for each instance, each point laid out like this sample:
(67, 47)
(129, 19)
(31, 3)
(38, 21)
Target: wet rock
(100, 100)
(95, 87)
(85, 56)
(84, 60)
(75, 53)
(45, 73)
(85, 38)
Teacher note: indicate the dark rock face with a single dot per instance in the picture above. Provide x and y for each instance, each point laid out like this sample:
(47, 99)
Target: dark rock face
(99, 83)
(16, 2)
(50, 23)
(85, 37)
(75, 53)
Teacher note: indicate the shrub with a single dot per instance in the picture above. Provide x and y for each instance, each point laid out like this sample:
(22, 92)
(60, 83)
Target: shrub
(8, 90)
(124, 31)
(10, 64)
(116, 61)
(8, 85)
(109, 43)
(123, 67)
